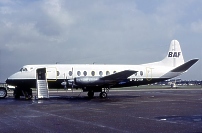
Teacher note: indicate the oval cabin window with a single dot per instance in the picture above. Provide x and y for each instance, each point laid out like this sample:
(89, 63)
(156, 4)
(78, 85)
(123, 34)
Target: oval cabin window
(141, 73)
(107, 73)
(93, 73)
(78, 73)
(58, 73)
(70, 73)
(100, 73)
(84, 73)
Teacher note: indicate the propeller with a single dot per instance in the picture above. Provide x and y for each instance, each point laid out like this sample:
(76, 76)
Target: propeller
(68, 82)
(64, 83)
(72, 80)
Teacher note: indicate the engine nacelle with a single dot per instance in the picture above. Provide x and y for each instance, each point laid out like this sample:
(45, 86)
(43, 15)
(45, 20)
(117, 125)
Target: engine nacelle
(88, 81)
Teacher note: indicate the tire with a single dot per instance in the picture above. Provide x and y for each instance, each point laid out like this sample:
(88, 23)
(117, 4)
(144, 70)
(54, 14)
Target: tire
(90, 94)
(103, 95)
(3, 92)
(16, 96)
(29, 92)
(17, 93)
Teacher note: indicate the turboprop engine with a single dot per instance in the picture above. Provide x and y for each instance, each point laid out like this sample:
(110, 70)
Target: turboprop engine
(89, 81)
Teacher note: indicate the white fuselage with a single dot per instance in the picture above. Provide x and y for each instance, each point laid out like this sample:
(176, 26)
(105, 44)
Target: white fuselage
(56, 72)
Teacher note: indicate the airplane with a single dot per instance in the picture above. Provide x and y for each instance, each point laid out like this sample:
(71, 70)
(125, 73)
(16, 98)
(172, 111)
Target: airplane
(100, 78)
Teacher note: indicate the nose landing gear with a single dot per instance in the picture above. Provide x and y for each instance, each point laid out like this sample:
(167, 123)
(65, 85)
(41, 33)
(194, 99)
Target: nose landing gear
(27, 93)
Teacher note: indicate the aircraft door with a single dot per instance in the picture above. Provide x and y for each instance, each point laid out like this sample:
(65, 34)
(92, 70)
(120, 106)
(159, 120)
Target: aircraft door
(51, 74)
(41, 74)
(149, 73)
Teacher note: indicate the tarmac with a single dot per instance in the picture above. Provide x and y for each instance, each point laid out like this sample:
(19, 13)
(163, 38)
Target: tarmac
(126, 110)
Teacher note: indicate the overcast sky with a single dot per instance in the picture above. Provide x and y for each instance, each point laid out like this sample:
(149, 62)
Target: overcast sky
(100, 31)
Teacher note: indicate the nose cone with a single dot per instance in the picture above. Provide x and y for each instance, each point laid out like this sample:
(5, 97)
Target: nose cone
(13, 79)
(7, 81)
(10, 81)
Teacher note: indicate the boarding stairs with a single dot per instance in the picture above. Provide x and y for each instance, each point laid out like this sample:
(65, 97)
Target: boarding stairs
(42, 84)
(42, 89)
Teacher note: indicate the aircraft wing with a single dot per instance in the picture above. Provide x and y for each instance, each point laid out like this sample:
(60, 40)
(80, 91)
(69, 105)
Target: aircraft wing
(119, 75)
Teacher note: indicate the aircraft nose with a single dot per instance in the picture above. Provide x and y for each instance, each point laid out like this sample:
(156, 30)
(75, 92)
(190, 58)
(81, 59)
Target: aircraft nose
(9, 81)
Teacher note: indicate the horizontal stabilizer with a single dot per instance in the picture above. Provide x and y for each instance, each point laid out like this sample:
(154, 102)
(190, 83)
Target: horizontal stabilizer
(119, 75)
(184, 67)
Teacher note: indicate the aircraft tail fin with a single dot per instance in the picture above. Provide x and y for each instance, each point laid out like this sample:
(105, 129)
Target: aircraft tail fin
(174, 57)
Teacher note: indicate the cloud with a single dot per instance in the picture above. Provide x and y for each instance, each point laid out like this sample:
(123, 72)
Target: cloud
(57, 18)
(117, 32)
(28, 31)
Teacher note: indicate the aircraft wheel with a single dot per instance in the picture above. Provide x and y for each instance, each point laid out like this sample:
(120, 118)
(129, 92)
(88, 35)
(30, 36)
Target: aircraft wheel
(29, 94)
(3, 92)
(90, 94)
(103, 95)
(16, 96)
(17, 93)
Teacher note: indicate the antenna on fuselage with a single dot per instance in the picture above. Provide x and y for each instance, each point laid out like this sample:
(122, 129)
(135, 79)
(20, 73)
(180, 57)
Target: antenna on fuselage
(72, 79)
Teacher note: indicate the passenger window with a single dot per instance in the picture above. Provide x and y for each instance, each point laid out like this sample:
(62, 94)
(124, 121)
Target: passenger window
(78, 73)
(84, 73)
(100, 73)
(141, 73)
(70, 73)
(58, 73)
(107, 73)
(136, 74)
(93, 73)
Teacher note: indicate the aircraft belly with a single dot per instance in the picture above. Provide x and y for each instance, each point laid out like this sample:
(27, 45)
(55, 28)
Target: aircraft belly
(31, 83)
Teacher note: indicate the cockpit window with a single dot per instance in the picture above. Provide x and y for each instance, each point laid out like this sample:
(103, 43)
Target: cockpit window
(23, 69)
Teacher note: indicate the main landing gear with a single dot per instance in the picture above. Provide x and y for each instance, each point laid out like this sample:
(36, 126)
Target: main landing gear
(90, 94)
(103, 93)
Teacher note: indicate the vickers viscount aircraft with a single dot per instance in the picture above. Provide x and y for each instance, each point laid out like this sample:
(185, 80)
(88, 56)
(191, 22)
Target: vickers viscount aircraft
(100, 78)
